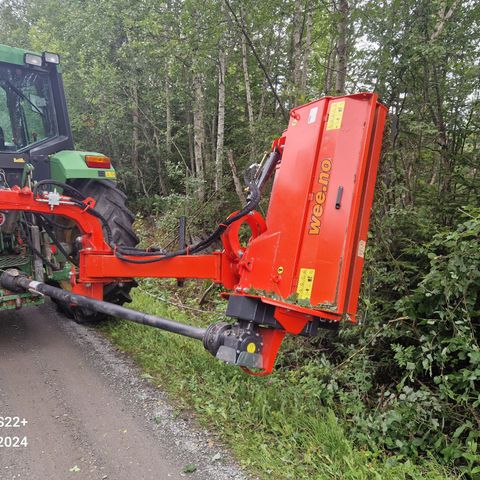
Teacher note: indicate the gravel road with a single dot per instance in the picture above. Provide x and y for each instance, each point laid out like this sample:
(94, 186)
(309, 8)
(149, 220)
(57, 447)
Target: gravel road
(90, 414)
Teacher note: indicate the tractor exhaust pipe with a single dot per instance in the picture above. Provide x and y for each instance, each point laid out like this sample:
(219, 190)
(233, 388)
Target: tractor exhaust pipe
(14, 281)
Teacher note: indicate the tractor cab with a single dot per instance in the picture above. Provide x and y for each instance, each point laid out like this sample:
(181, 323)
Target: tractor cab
(33, 115)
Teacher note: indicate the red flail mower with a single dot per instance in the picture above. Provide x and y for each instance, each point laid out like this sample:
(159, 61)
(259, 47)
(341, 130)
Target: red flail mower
(299, 271)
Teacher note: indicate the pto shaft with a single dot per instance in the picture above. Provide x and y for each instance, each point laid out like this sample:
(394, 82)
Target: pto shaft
(12, 280)
(237, 344)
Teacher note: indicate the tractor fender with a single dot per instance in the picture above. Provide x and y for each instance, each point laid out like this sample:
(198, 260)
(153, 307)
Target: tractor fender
(70, 164)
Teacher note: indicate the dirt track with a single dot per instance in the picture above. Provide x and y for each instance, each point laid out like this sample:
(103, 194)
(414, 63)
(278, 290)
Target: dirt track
(90, 415)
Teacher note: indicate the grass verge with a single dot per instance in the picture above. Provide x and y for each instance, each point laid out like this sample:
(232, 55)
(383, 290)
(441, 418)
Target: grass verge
(273, 425)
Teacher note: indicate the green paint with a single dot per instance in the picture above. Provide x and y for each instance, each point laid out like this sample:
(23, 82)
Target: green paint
(62, 274)
(9, 301)
(69, 164)
(13, 55)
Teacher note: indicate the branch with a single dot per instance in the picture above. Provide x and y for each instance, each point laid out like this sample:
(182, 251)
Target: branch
(444, 18)
(260, 64)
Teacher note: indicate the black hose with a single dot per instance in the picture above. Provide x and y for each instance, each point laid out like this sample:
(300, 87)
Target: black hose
(65, 186)
(254, 200)
(79, 203)
(44, 222)
(53, 223)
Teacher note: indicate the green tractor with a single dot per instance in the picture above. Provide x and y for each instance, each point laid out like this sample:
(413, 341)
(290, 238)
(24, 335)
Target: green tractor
(36, 145)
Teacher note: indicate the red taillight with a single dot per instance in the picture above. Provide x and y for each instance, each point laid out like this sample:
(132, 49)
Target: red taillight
(95, 161)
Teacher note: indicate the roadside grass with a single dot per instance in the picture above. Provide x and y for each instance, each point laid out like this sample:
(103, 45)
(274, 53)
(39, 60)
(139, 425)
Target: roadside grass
(275, 428)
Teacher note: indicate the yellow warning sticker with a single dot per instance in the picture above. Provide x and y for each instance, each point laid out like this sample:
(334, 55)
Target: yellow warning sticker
(305, 283)
(110, 174)
(19, 160)
(335, 115)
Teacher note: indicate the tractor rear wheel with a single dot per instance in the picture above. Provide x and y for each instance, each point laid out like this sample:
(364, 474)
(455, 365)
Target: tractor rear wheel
(110, 202)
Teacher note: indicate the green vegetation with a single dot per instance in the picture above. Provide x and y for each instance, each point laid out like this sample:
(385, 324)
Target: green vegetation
(277, 426)
(404, 386)
(183, 94)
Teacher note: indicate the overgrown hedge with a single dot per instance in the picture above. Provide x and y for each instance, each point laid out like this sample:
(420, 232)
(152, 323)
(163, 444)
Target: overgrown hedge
(409, 379)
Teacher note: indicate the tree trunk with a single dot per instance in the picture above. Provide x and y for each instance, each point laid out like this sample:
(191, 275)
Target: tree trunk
(306, 51)
(236, 179)
(342, 27)
(160, 166)
(248, 90)
(444, 17)
(330, 68)
(297, 49)
(135, 140)
(268, 65)
(221, 118)
(191, 153)
(246, 76)
(199, 134)
(168, 118)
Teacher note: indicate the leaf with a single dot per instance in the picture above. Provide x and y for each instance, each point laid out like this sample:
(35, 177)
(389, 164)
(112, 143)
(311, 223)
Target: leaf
(74, 469)
(190, 468)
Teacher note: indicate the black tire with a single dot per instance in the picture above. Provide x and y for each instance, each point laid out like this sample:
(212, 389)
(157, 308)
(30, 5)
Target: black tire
(111, 204)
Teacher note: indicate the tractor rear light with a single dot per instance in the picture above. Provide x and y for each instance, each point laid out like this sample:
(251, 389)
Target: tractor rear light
(97, 161)
(31, 59)
(51, 58)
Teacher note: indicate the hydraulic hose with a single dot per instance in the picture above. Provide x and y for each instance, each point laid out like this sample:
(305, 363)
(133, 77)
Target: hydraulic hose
(65, 186)
(253, 201)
